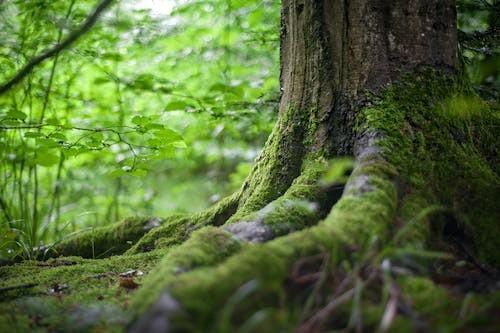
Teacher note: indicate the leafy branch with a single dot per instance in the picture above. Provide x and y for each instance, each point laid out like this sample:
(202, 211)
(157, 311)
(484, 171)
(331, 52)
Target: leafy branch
(72, 37)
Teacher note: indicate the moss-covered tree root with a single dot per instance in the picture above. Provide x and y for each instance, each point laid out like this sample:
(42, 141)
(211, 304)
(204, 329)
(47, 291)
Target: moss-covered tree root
(410, 169)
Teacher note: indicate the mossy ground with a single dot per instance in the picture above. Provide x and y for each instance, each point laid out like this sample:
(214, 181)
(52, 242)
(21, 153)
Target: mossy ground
(70, 293)
(410, 246)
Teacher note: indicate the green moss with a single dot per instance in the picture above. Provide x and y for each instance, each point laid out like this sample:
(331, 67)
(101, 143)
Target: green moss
(90, 295)
(430, 307)
(173, 231)
(106, 241)
(304, 203)
(205, 247)
(269, 264)
(413, 217)
(277, 166)
(368, 206)
(429, 159)
(448, 311)
(425, 296)
(420, 150)
(438, 134)
(177, 229)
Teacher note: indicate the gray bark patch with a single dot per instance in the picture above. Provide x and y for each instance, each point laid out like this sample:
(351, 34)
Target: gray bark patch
(152, 223)
(359, 184)
(253, 232)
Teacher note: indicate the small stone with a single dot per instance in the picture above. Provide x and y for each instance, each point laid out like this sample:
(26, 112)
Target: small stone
(152, 223)
(131, 273)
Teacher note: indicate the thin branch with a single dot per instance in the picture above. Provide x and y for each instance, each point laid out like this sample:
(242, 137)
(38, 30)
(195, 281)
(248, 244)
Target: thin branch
(72, 37)
(35, 126)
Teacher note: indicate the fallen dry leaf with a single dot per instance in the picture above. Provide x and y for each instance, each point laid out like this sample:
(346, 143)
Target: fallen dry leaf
(128, 283)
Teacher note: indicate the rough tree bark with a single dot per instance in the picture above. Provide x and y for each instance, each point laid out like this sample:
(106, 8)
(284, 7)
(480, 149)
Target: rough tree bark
(361, 78)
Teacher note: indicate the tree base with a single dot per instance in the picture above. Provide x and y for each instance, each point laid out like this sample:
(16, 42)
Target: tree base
(410, 245)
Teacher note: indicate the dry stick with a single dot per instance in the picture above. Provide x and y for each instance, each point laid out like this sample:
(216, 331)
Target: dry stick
(72, 37)
(321, 316)
(340, 297)
(390, 309)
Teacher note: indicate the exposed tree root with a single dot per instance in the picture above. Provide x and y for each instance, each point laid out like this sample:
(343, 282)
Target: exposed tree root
(178, 229)
(104, 241)
(363, 213)
(140, 234)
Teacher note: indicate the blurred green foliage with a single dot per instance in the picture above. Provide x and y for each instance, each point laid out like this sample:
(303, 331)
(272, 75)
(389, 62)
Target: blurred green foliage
(479, 37)
(160, 108)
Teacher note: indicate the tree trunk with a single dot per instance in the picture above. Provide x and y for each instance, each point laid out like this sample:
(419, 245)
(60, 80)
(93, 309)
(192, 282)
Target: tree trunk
(374, 79)
(334, 52)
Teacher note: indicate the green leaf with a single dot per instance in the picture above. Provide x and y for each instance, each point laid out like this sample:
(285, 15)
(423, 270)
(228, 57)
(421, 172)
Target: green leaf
(144, 82)
(46, 159)
(141, 120)
(167, 135)
(117, 173)
(14, 114)
(167, 152)
(219, 87)
(164, 89)
(236, 90)
(52, 121)
(101, 80)
(59, 136)
(10, 122)
(154, 126)
(112, 56)
(139, 173)
(74, 151)
(179, 144)
(177, 105)
(32, 134)
(46, 143)
(155, 142)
